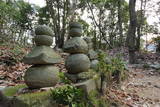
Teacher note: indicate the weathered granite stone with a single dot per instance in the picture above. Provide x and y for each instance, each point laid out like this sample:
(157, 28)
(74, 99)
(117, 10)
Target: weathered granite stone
(75, 45)
(44, 30)
(75, 25)
(94, 64)
(80, 76)
(87, 39)
(43, 40)
(89, 85)
(77, 63)
(75, 32)
(92, 54)
(89, 42)
(41, 76)
(42, 55)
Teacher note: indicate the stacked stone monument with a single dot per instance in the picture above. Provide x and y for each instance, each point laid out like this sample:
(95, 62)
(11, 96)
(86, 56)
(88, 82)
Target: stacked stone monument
(91, 53)
(42, 73)
(77, 62)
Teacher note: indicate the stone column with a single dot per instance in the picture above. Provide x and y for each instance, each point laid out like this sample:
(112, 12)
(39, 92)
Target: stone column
(42, 73)
(78, 63)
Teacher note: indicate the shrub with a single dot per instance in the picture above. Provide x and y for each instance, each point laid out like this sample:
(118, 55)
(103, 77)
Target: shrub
(67, 95)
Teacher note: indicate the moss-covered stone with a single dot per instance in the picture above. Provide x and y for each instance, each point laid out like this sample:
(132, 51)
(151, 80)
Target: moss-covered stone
(42, 55)
(77, 63)
(75, 32)
(80, 76)
(32, 99)
(75, 25)
(92, 54)
(43, 40)
(75, 45)
(41, 76)
(44, 30)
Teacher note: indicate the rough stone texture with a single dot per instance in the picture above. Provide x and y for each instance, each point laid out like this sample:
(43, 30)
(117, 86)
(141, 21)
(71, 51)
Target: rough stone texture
(44, 30)
(43, 40)
(77, 63)
(89, 42)
(41, 76)
(75, 32)
(75, 45)
(92, 54)
(42, 55)
(89, 85)
(87, 39)
(75, 25)
(94, 64)
(80, 76)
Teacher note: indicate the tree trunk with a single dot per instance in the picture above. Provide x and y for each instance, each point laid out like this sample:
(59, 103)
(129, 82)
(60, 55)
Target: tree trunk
(120, 22)
(131, 31)
(139, 27)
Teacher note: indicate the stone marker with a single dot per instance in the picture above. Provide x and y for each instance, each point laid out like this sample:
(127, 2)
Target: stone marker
(42, 73)
(78, 63)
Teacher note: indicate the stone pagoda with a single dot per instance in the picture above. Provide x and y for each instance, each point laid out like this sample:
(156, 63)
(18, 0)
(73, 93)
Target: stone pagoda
(77, 62)
(42, 57)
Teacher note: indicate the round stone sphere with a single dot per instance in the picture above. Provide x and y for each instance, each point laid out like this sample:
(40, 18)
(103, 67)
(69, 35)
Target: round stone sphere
(43, 40)
(77, 63)
(75, 25)
(75, 45)
(44, 30)
(41, 76)
(75, 32)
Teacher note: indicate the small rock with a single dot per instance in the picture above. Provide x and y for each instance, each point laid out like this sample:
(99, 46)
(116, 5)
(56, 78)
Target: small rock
(89, 85)
(155, 66)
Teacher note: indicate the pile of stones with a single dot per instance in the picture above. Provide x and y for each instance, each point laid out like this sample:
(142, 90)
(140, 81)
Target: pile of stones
(42, 57)
(78, 63)
(91, 53)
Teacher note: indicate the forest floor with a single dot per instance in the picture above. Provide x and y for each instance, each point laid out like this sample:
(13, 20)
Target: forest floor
(140, 89)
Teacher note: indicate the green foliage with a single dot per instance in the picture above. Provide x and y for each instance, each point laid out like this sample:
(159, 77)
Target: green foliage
(67, 95)
(114, 67)
(15, 20)
(156, 39)
(63, 78)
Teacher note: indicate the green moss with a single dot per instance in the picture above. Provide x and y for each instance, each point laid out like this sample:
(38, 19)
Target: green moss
(37, 99)
(11, 91)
